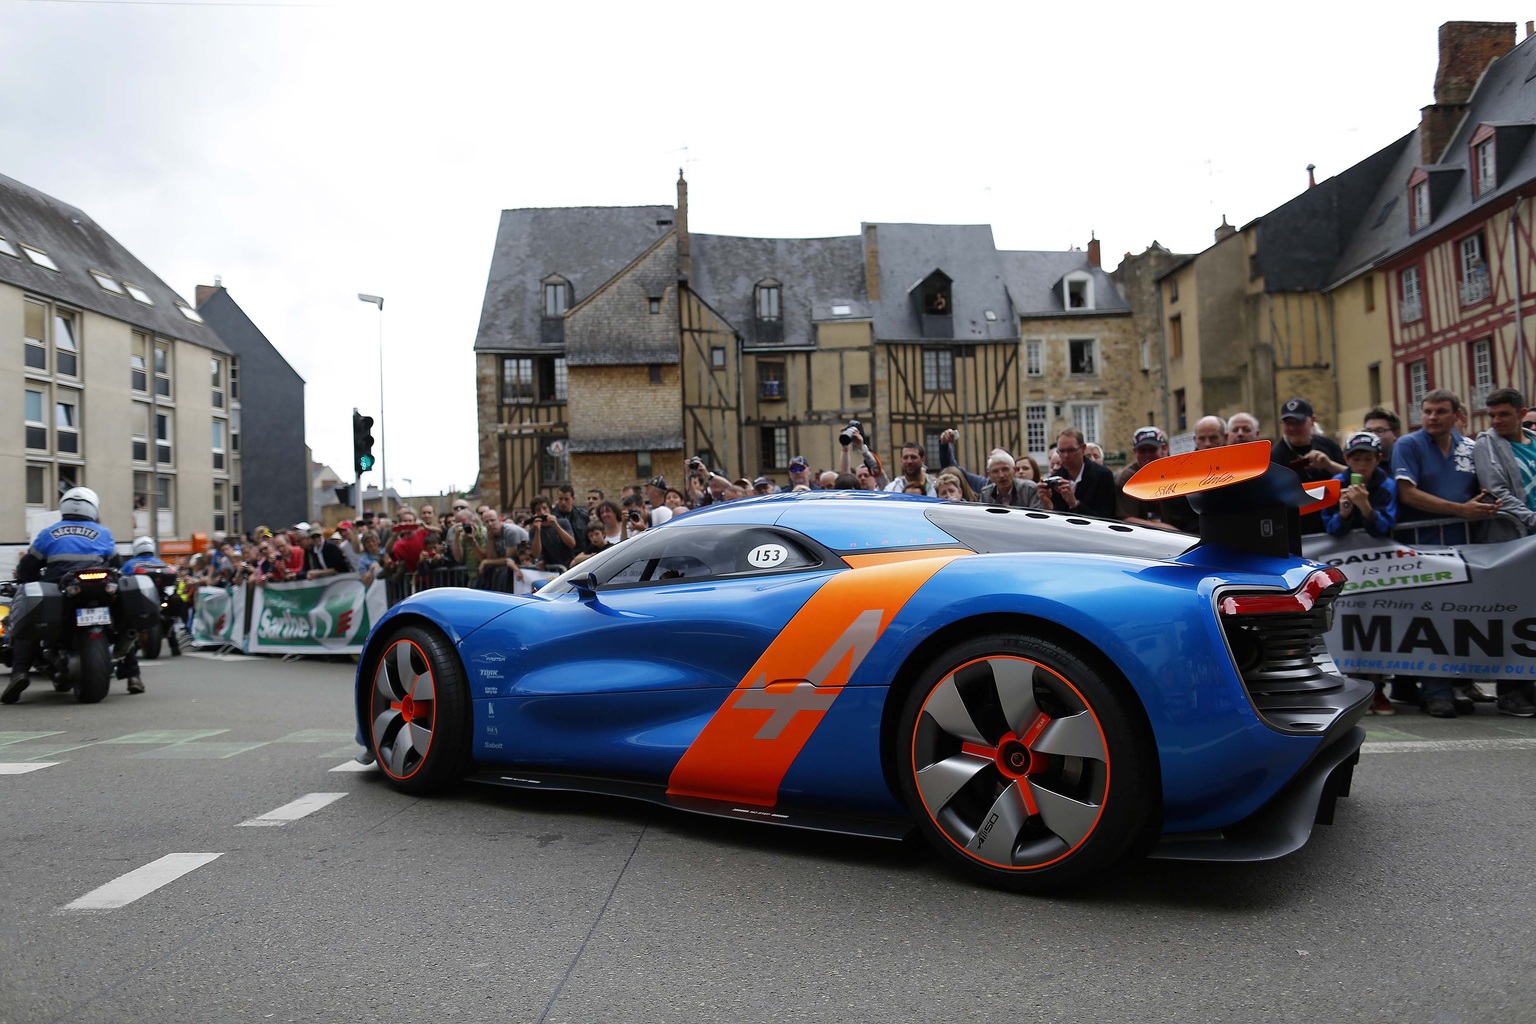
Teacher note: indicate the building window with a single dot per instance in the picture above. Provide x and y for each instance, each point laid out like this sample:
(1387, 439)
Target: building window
(35, 320)
(1180, 411)
(138, 364)
(655, 369)
(858, 392)
(1418, 387)
(517, 384)
(1034, 429)
(1474, 269)
(643, 465)
(1173, 289)
(1412, 303)
(163, 370)
(557, 297)
(1078, 292)
(1085, 417)
(70, 476)
(1176, 336)
(138, 294)
(1082, 354)
(1487, 178)
(40, 258)
(774, 450)
(220, 519)
(66, 423)
(66, 351)
(768, 300)
(1373, 383)
(234, 380)
(938, 369)
(216, 371)
(1420, 197)
(655, 304)
(1144, 348)
(717, 357)
(552, 379)
(1370, 293)
(140, 432)
(37, 427)
(37, 485)
(218, 444)
(164, 446)
(1482, 372)
(770, 380)
(8, 248)
(1034, 357)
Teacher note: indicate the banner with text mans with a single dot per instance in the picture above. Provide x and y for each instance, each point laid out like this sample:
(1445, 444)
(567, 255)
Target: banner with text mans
(326, 616)
(1432, 611)
(218, 617)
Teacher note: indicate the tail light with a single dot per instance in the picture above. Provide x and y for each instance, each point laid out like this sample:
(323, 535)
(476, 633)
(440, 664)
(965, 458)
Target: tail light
(1276, 641)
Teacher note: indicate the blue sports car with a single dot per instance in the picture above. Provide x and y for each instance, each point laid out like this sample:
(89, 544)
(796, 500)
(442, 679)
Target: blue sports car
(1039, 694)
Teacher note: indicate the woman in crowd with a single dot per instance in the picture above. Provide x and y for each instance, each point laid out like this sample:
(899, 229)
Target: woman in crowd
(608, 515)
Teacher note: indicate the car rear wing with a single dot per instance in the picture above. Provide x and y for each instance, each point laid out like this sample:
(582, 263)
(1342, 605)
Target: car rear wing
(1244, 500)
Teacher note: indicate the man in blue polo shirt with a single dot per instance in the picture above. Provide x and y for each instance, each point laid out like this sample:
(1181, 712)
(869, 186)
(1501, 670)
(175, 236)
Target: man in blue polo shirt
(1436, 478)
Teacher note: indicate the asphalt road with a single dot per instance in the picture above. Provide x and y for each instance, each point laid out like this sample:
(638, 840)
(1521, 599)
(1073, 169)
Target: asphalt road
(351, 902)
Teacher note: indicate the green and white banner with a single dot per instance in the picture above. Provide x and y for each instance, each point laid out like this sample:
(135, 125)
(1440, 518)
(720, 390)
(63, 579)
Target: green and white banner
(1466, 610)
(218, 617)
(326, 616)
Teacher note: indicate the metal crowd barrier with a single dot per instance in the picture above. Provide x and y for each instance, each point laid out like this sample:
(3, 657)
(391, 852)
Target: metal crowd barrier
(1444, 532)
(399, 587)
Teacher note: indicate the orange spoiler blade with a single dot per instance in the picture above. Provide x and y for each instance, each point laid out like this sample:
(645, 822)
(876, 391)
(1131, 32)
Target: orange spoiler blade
(1325, 494)
(1198, 471)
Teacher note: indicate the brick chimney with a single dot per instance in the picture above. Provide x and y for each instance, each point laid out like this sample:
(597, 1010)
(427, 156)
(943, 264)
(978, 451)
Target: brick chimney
(871, 263)
(684, 246)
(1093, 251)
(206, 292)
(1466, 50)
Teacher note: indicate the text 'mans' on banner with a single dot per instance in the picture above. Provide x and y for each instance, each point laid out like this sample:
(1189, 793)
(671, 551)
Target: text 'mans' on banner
(1432, 611)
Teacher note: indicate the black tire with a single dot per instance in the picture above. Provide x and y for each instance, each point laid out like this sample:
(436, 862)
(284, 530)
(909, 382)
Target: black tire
(95, 669)
(417, 758)
(1022, 766)
(149, 642)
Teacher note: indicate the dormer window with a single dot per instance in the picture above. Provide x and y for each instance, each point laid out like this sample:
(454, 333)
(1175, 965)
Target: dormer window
(1485, 175)
(1418, 200)
(1077, 291)
(557, 296)
(769, 300)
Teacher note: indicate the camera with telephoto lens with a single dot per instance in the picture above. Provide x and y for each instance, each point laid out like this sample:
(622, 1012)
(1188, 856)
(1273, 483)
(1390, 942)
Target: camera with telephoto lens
(846, 437)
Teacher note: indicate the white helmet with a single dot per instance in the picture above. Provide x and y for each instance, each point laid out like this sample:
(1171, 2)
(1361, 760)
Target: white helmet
(143, 546)
(82, 502)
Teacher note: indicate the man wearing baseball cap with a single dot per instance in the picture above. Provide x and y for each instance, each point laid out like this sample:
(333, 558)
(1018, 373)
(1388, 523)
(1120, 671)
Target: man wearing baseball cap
(1151, 444)
(1312, 456)
(800, 473)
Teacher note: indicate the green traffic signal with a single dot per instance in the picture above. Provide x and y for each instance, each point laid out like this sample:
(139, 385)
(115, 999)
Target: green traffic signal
(365, 463)
(362, 443)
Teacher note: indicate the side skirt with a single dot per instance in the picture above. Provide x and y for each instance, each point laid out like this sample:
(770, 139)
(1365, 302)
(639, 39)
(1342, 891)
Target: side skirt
(873, 827)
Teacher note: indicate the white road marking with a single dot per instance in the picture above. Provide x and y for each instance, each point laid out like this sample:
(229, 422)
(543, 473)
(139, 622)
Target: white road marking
(353, 766)
(22, 767)
(1445, 746)
(142, 881)
(304, 805)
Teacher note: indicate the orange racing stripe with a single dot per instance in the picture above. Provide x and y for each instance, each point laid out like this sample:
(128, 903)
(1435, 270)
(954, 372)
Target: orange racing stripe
(744, 751)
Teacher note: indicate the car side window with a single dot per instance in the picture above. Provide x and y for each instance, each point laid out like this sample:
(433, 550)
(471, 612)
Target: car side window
(709, 553)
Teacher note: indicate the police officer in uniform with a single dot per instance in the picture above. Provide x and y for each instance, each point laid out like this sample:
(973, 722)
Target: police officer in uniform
(143, 554)
(74, 541)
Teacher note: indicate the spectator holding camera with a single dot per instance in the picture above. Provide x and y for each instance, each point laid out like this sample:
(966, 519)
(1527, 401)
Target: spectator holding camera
(1080, 485)
(553, 542)
(406, 540)
(856, 456)
(497, 567)
(635, 519)
(1002, 488)
(947, 441)
(467, 537)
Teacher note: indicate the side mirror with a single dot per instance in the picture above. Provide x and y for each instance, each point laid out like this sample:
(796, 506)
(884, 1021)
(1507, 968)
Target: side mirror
(586, 587)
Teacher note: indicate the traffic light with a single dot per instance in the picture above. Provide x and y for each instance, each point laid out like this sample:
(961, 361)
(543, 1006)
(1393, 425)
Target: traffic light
(362, 443)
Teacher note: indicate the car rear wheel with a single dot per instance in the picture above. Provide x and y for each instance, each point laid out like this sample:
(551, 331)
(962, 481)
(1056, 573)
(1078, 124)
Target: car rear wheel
(419, 710)
(1023, 766)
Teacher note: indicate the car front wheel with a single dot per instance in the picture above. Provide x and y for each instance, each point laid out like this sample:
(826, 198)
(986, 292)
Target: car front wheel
(419, 711)
(1023, 766)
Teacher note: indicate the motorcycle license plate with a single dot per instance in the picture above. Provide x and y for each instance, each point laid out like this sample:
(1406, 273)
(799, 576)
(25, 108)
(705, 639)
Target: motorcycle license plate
(93, 616)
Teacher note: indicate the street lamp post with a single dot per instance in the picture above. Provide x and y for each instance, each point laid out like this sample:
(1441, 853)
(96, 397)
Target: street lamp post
(378, 300)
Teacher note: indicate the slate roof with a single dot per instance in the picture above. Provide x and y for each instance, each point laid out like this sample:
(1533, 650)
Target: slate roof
(1505, 96)
(814, 274)
(1034, 284)
(1302, 241)
(964, 252)
(78, 245)
(587, 245)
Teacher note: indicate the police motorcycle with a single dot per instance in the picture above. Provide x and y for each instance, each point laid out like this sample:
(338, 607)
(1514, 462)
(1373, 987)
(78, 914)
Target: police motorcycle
(85, 620)
(173, 606)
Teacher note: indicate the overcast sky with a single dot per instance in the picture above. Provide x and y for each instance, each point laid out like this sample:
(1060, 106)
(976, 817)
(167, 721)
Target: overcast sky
(308, 152)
